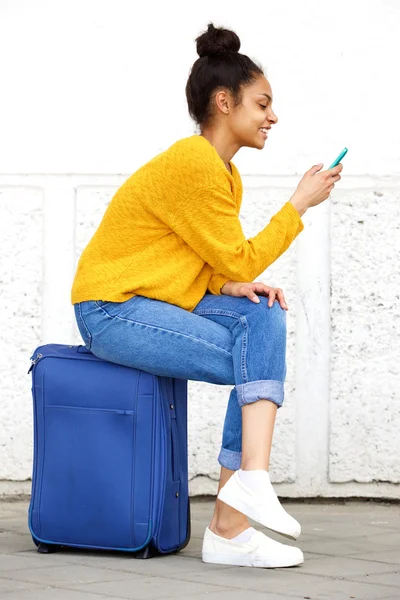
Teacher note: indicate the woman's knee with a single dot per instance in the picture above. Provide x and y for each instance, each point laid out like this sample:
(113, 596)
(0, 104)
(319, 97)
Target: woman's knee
(273, 318)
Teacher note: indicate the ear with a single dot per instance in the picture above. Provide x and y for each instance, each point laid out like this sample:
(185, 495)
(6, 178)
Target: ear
(222, 101)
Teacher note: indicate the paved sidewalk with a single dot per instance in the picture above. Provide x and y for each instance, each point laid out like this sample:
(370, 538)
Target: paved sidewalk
(352, 550)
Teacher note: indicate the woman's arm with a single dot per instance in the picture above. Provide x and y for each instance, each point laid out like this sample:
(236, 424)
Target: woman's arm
(208, 222)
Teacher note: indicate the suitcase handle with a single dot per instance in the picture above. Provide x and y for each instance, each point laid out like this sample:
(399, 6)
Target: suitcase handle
(83, 350)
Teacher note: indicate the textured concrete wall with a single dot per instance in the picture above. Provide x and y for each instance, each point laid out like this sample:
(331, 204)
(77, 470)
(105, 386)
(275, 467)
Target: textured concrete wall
(332, 77)
(21, 230)
(365, 339)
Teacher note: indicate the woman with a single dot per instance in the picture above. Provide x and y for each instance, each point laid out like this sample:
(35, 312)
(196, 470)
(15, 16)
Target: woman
(166, 285)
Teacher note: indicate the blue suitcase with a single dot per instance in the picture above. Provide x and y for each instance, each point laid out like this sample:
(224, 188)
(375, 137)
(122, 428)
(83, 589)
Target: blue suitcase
(110, 466)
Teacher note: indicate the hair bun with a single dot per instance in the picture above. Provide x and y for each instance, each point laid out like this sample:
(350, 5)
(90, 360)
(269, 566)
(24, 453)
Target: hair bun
(217, 41)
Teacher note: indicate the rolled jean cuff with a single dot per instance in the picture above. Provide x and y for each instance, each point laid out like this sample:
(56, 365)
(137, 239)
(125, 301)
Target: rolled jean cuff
(230, 459)
(266, 389)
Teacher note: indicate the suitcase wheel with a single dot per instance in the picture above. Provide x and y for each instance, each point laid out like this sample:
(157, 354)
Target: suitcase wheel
(147, 552)
(47, 548)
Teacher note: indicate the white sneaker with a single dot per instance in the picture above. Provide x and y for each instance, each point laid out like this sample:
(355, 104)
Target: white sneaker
(259, 551)
(263, 507)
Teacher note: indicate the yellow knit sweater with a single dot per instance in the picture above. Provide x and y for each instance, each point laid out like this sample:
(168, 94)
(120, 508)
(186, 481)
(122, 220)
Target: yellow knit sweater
(172, 232)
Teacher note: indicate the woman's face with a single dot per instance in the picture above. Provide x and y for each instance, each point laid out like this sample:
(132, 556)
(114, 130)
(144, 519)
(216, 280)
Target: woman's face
(250, 122)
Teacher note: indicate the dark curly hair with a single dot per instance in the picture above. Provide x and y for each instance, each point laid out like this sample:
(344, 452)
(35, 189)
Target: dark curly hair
(220, 65)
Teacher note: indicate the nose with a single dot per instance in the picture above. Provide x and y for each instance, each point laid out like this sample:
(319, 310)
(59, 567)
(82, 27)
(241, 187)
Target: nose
(272, 117)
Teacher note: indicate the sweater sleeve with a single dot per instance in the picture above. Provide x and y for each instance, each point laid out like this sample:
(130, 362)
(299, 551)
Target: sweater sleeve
(208, 222)
(216, 282)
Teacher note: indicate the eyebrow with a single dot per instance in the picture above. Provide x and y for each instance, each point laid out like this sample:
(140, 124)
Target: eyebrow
(269, 97)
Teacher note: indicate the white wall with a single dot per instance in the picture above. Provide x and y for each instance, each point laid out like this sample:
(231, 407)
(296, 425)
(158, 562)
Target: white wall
(93, 89)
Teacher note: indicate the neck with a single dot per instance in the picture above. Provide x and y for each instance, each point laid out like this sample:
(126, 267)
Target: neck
(223, 143)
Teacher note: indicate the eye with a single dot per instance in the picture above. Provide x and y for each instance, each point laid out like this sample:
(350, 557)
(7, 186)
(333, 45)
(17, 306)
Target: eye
(263, 106)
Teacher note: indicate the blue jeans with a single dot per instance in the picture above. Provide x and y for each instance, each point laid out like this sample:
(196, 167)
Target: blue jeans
(225, 340)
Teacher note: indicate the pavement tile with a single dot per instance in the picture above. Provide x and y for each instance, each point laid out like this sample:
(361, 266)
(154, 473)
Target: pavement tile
(344, 567)
(229, 594)
(387, 556)
(15, 542)
(28, 560)
(351, 521)
(336, 540)
(9, 510)
(197, 528)
(51, 593)
(347, 547)
(391, 539)
(65, 575)
(143, 587)
(7, 585)
(308, 556)
(292, 583)
(193, 548)
(341, 530)
(388, 579)
(255, 579)
(169, 565)
(340, 507)
(15, 525)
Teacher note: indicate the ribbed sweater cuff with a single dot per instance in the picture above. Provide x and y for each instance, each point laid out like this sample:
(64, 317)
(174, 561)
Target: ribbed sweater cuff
(216, 282)
(291, 213)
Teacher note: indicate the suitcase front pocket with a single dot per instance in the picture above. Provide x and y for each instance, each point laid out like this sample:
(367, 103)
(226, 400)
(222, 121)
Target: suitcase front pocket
(86, 495)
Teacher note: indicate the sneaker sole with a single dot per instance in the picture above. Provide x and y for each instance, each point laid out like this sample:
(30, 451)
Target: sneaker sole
(239, 560)
(248, 511)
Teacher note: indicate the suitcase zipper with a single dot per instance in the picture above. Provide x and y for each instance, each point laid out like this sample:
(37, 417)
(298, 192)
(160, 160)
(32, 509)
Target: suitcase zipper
(174, 450)
(34, 361)
(53, 354)
(116, 411)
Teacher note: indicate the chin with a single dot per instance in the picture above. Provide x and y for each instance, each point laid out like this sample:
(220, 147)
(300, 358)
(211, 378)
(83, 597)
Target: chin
(259, 144)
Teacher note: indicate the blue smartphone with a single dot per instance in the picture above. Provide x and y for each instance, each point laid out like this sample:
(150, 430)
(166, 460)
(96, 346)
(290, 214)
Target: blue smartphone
(339, 158)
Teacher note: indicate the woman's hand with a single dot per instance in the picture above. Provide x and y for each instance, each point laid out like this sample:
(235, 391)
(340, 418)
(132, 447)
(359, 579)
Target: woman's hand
(239, 289)
(315, 187)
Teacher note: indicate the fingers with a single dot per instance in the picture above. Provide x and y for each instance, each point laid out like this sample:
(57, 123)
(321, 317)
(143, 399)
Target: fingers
(282, 300)
(332, 181)
(335, 171)
(274, 294)
(315, 169)
(254, 298)
(255, 287)
(279, 297)
(333, 176)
